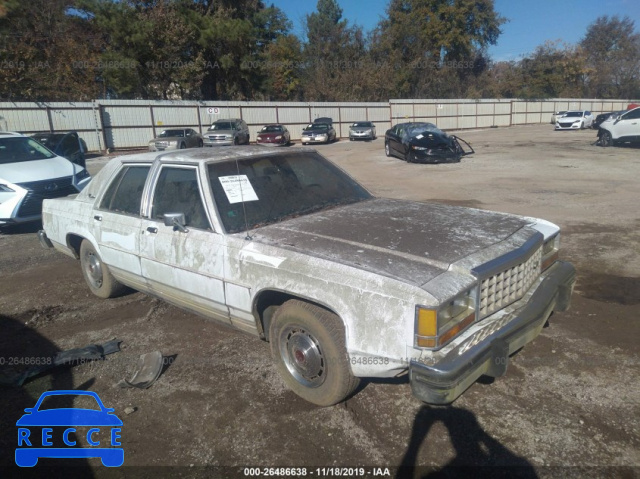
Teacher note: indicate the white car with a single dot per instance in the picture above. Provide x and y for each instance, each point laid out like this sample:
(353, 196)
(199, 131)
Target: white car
(625, 128)
(29, 173)
(286, 246)
(575, 120)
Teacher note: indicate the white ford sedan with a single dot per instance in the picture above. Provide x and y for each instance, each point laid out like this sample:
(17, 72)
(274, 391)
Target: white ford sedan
(30, 173)
(286, 246)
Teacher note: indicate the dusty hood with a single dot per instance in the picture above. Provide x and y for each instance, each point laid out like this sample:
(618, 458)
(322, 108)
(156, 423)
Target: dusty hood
(36, 170)
(412, 242)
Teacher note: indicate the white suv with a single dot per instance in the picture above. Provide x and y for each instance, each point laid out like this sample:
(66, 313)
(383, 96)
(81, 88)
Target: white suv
(624, 128)
(29, 173)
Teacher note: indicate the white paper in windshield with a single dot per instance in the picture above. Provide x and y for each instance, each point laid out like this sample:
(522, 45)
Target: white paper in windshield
(420, 136)
(238, 188)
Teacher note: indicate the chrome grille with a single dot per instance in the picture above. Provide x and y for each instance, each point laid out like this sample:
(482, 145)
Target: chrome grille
(502, 289)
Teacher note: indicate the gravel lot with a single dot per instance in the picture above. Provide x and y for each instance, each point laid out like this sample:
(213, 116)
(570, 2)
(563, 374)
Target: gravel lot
(568, 406)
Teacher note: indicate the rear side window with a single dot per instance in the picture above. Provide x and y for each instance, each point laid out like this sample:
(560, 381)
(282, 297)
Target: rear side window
(124, 194)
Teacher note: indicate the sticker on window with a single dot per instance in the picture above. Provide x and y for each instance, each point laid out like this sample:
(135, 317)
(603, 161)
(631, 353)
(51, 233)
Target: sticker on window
(238, 188)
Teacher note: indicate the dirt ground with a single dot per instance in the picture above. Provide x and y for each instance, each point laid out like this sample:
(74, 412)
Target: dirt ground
(569, 405)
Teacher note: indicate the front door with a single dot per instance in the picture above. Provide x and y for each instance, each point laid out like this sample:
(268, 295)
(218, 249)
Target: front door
(184, 266)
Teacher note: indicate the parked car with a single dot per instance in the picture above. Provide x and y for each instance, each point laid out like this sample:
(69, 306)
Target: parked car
(29, 173)
(227, 132)
(318, 133)
(556, 115)
(68, 145)
(419, 142)
(274, 135)
(575, 120)
(362, 130)
(286, 246)
(625, 128)
(176, 139)
(605, 116)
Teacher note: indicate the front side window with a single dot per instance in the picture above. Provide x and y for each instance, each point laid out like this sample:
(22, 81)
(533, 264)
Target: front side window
(124, 194)
(177, 191)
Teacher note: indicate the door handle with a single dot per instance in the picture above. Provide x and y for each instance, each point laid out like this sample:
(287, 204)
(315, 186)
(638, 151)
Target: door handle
(152, 229)
(97, 218)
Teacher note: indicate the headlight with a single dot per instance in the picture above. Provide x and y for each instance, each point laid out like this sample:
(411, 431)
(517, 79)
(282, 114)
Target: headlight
(279, 137)
(82, 174)
(6, 189)
(173, 142)
(435, 327)
(550, 251)
(419, 148)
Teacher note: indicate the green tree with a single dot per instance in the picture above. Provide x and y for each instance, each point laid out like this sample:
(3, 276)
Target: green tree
(612, 49)
(41, 43)
(437, 46)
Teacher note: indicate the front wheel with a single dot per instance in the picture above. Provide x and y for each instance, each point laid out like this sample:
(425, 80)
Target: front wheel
(606, 139)
(387, 151)
(308, 347)
(97, 275)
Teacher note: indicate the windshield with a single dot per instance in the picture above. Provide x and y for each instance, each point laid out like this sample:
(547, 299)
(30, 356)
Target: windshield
(273, 188)
(573, 114)
(222, 126)
(422, 128)
(170, 133)
(18, 149)
(362, 124)
(317, 126)
(271, 129)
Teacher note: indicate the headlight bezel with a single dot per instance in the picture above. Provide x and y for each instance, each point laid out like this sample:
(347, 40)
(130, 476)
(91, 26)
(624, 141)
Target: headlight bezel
(436, 326)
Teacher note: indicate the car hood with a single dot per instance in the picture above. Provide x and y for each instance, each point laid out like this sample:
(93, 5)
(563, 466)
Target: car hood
(220, 132)
(270, 134)
(315, 130)
(409, 241)
(167, 138)
(37, 170)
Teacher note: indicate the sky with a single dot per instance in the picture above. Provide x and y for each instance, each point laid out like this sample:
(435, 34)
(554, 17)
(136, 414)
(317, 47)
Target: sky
(531, 22)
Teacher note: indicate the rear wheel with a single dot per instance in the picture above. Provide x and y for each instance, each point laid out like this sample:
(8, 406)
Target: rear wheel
(97, 275)
(308, 347)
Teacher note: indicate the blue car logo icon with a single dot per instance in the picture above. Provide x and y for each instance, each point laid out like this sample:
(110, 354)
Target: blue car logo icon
(101, 427)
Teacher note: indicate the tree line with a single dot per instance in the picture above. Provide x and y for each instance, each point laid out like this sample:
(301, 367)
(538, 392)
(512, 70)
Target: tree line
(74, 50)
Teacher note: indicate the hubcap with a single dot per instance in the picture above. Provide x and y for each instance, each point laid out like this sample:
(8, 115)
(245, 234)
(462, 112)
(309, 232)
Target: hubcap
(94, 270)
(303, 356)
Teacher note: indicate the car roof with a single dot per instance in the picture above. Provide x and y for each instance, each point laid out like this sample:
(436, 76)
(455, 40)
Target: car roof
(12, 133)
(206, 155)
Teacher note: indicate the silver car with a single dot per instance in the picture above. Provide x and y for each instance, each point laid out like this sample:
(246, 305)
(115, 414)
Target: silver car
(176, 139)
(227, 132)
(362, 130)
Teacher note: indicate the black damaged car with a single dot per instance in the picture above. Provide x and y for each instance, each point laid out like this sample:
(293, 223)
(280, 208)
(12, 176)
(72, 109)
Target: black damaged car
(419, 142)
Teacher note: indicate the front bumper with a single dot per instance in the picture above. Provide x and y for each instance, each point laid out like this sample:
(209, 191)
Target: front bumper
(486, 351)
(438, 157)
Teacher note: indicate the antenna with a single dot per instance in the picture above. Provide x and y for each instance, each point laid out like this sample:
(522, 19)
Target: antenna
(244, 210)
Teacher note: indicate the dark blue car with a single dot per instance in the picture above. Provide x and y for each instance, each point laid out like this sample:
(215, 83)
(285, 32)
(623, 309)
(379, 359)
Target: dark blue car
(31, 448)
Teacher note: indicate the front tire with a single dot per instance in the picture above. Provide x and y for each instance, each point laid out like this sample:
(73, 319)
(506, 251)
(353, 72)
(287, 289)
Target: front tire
(97, 275)
(606, 139)
(387, 150)
(308, 347)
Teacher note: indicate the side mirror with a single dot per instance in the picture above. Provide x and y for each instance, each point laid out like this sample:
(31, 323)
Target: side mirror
(177, 220)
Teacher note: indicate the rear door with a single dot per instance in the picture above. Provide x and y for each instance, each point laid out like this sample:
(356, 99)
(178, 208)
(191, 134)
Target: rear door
(117, 223)
(184, 267)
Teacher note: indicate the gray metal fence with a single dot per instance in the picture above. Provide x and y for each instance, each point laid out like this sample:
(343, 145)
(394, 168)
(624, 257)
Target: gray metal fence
(120, 124)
